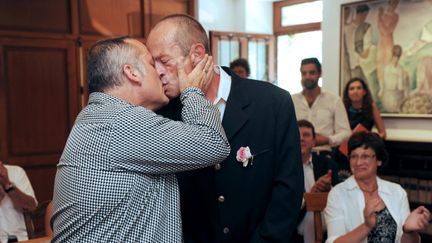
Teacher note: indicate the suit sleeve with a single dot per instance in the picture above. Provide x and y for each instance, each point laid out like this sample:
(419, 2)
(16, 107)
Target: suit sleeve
(280, 219)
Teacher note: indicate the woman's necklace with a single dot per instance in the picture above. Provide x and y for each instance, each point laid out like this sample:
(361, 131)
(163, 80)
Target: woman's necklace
(370, 192)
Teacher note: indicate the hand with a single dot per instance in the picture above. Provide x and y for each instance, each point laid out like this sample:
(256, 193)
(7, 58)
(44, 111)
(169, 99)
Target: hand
(4, 178)
(200, 76)
(321, 139)
(417, 220)
(371, 207)
(323, 184)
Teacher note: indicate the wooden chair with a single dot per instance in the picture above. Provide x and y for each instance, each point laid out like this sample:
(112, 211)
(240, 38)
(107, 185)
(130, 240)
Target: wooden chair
(316, 202)
(40, 216)
(46, 239)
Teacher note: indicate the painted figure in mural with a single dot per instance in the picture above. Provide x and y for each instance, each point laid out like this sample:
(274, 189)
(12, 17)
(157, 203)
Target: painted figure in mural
(424, 75)
(387, 21)
(395, 86)
(361, 50)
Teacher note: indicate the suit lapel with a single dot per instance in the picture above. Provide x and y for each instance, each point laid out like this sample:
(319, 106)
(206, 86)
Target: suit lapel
(235, 115)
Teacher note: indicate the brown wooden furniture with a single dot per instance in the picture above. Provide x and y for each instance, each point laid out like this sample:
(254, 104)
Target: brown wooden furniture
(46, 239)
(316, 202)
(42, 213)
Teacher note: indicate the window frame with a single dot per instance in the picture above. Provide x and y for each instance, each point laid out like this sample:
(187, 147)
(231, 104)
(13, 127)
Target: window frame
(243, 39)
(278, 29)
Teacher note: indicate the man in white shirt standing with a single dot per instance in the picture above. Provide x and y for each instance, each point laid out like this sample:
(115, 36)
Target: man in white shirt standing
(324, 110)
(16, 195)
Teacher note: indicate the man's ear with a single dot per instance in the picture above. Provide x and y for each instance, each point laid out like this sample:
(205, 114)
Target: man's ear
(197, 53)
(131, 73)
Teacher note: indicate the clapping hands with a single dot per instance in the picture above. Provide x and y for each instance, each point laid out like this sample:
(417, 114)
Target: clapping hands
(372, 206)
(417, 220)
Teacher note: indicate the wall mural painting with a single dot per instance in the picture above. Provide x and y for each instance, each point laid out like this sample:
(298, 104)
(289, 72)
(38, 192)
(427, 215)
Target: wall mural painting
(388, 43)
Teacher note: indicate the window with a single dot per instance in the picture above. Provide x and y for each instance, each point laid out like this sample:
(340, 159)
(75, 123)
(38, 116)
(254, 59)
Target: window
(297, 27)
(258, 49)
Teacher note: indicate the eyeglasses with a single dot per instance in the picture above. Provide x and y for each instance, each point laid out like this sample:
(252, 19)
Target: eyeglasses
(362, 157)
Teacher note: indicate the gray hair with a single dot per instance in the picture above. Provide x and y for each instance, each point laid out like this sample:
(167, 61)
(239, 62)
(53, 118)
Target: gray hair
(106, 59)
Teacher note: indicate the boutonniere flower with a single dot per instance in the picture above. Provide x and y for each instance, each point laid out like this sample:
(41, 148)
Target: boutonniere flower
(244, 156)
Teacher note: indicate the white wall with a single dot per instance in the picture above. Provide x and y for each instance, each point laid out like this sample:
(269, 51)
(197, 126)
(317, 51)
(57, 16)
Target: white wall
(253, 16)
(404, 129)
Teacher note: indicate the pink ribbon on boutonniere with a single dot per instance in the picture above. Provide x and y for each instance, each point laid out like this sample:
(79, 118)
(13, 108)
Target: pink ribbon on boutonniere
(244, 155)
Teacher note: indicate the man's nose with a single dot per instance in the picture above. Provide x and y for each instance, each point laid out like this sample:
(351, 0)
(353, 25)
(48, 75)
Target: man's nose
(160, 69)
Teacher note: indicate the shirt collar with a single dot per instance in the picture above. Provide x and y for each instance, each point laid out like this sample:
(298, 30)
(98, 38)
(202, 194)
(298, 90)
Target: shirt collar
(224, 86)
(382, 187)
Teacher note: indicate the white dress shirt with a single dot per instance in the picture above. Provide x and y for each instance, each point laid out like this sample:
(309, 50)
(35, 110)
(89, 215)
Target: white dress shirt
(11, 219)
(327, 114)
(223, 90)
(345, 205)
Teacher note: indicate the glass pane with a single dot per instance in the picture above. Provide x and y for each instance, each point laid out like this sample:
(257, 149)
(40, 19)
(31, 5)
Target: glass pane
(302, 13)
(228, 51)
(257, 52)
(291, 49)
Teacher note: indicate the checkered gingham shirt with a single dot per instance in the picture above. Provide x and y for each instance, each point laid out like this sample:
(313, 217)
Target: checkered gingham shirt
(115, 180)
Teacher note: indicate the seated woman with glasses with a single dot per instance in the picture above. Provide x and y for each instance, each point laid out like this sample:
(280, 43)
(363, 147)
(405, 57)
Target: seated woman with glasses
(365, 208)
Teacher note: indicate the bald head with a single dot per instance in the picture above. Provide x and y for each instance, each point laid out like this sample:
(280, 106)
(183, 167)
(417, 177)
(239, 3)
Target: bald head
(176, 38)
(183, 30)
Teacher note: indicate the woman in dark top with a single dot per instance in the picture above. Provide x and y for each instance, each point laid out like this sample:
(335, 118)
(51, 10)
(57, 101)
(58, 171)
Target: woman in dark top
(361, 108)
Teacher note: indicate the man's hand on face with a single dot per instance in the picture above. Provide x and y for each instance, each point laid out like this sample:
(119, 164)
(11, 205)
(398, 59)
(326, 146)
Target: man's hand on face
(200, 76)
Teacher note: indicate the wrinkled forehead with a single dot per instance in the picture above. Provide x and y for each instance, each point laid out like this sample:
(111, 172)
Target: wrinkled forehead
(161, 42)
(163, 32)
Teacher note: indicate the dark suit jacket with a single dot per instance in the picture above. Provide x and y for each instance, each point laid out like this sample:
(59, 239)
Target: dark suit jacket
(321, 164)
(257, 203)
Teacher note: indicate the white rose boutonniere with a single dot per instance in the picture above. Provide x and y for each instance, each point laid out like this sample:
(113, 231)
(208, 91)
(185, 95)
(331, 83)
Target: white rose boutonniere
(244, 155)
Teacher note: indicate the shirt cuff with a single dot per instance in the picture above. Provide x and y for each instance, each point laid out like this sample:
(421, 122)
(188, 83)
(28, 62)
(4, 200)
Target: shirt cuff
(188, 91)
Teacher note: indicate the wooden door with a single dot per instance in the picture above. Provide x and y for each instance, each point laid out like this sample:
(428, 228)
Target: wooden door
(39, 101)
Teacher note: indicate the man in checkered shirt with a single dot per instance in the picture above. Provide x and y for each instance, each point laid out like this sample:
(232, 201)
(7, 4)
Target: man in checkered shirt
(115, 180)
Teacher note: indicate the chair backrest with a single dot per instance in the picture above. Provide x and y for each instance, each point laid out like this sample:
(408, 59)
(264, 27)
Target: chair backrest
(40, 216)
(316, 203)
